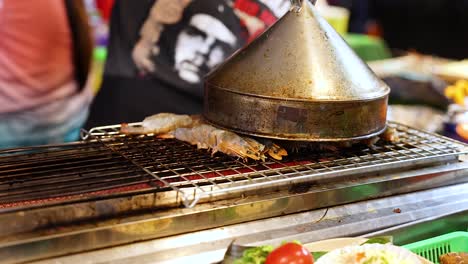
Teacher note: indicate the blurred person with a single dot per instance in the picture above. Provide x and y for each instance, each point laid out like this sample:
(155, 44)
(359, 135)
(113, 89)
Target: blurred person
(159, 52)
(45, 51)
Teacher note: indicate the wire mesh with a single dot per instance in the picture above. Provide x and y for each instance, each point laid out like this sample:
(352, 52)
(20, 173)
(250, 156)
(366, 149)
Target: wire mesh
(196, 174)
(64, 172)
(108, 163)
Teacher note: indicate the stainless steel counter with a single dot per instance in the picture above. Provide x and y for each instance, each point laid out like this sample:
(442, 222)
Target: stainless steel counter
(355, 219)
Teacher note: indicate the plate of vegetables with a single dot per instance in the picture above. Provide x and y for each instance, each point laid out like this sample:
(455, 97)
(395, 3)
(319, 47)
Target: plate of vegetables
(377, 250)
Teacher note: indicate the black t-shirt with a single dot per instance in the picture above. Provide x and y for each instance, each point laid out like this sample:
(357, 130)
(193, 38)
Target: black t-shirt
(207, 33)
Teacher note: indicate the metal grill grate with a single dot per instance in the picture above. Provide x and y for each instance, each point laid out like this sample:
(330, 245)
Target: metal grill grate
(109, 162)
(195, 174)
(65, 172)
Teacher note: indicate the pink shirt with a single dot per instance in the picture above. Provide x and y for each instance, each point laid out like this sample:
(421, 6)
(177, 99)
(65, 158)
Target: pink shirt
(35, 54)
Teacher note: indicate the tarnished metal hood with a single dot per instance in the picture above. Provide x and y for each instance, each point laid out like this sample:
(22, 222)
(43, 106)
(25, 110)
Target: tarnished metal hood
(301, 57)
(298, 81)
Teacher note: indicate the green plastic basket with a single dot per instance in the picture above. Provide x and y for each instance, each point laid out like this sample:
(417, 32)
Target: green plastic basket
(432, 248)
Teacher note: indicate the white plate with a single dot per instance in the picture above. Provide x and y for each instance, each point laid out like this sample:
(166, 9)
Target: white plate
(335, 243)
(399, 253)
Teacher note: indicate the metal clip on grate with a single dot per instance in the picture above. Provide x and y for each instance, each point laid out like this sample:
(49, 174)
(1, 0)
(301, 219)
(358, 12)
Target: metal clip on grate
(195, 174)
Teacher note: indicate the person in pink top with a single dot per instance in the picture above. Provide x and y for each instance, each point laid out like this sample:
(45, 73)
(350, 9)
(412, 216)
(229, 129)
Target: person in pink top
(44, 49)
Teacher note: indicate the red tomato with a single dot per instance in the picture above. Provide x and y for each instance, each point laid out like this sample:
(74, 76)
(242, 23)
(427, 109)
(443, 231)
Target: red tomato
(290, 253)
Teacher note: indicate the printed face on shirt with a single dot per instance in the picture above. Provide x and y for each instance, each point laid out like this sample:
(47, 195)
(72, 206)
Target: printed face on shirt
(201, 46)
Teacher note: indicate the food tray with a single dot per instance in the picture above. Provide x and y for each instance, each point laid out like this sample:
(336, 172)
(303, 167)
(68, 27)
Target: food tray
(434, 247)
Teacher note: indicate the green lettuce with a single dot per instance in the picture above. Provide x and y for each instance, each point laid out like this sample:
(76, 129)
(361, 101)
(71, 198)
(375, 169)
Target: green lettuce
(256, 255)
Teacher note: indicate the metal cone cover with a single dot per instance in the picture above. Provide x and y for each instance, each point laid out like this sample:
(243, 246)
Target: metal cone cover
(297, 81)
(301, 57)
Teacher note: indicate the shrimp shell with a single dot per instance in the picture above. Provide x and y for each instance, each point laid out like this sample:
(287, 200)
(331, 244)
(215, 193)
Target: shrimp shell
(234, 145)
(390, 135)
(200, 135)
(159, 124)
(276, 152)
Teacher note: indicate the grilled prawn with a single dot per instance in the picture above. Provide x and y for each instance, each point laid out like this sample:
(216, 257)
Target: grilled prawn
(159, 124)
(200, 135)
(234, 145)
(193, 130)
(218, 140)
